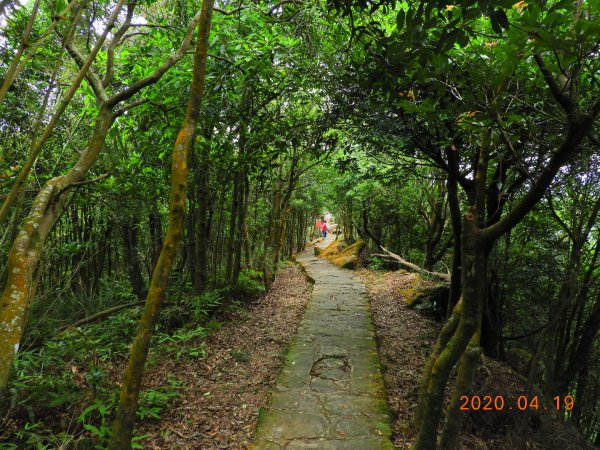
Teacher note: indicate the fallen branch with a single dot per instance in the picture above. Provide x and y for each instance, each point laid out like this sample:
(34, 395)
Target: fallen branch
(411, 266)
(101, 315)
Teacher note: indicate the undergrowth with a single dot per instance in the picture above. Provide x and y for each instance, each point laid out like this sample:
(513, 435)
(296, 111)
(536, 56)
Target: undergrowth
(64, 388)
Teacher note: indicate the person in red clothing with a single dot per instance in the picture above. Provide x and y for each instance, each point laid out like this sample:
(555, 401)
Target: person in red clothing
(318, 226)
(324, 229)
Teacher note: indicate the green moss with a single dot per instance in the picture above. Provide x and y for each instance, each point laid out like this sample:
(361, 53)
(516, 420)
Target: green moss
(262, 416)
(410, 294)
(333, 250)
(344, 256)
(346, 262)
(353, 249)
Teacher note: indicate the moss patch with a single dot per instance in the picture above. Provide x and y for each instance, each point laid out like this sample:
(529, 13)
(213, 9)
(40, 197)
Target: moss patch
(346, 262)
(333, 250)
(411, 293)
(343, 255)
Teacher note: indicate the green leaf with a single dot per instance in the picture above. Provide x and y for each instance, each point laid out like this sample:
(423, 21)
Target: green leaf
(93, 429)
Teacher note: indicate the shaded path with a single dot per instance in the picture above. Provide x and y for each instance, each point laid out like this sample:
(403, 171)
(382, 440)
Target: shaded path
(330, 394)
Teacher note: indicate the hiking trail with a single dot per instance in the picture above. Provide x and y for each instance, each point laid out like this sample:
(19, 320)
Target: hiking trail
(330, 393)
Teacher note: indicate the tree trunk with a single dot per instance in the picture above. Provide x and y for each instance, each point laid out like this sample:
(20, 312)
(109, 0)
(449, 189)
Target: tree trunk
(235, 200)
(132, 259)
(464, 380)
(155, 225)
(455, 217)
(446, 333)
(202, 223)
(201, 239)
(473, 263)
(240, 228)
(130, 388)
(27, 248)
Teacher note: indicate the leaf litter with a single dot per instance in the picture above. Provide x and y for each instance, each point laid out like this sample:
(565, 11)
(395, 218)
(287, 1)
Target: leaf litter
(405, 338)
(224, 391)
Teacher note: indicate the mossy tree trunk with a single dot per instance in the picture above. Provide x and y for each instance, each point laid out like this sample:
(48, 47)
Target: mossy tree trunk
(27, 247)
(128, 400)
(202, 217)
(473, 265)
(464, 380)
(455, 217)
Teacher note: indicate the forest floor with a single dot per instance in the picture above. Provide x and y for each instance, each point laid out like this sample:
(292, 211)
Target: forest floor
(405, 339)
(225, 390)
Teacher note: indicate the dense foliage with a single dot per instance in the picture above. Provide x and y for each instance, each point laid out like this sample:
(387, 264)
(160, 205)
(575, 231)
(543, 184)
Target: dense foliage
(461, 136)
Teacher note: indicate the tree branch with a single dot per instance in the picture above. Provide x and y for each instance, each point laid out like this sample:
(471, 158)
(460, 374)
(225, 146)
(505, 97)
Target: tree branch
(124, 109)
(110, 53)
(274, 8)
(82, 183)
(100, 315)
(558, 94)
(91, 76)
(579, 127)
(411, 266)
(160, 71)
(524, 335)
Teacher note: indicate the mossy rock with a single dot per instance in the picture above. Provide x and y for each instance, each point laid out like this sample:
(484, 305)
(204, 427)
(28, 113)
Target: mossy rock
(433, 299)
(349, 257)
(343, 255)
(353, 249)
(333, 250)
(346, 262)
(317, 251)
(411, 293)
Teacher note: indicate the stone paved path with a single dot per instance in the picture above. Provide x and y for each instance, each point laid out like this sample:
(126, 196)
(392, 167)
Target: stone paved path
(330, 394)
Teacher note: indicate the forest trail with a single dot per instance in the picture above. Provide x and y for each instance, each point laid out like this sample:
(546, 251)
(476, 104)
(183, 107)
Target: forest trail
(330, 394)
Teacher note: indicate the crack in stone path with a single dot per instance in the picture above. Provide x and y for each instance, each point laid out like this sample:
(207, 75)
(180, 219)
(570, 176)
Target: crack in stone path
(330, 394)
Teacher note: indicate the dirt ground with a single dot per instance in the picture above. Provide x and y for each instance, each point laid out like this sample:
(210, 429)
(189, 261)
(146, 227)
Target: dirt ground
(225, 391)
(405, 338)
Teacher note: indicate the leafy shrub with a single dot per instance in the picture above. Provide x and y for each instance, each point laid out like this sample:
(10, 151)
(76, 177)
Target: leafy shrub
(178, 343)
(203, 305)
(250, 283)
(153, 401)
(376, 263)
(66, 376)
